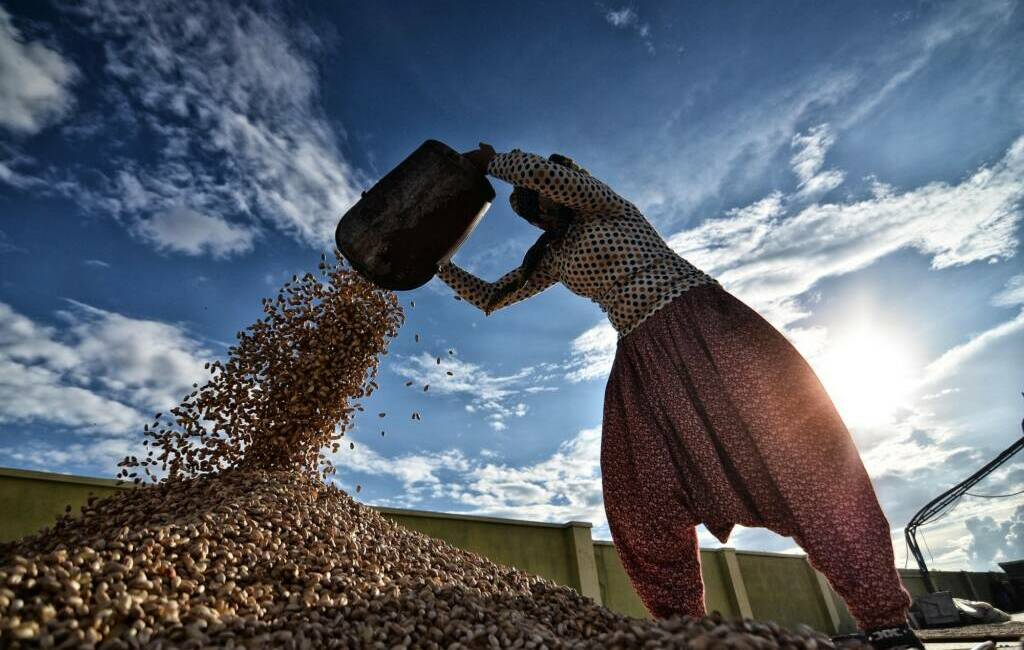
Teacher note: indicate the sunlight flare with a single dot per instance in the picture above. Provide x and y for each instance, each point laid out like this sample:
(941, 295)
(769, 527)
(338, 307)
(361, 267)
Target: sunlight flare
(868, 373)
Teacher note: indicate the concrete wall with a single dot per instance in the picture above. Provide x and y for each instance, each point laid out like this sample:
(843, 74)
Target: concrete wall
(972, 585)
(559, 552)
(30, 501)
(767, 586)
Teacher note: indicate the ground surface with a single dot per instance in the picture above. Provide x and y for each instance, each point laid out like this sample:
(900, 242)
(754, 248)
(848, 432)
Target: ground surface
(1007, 635)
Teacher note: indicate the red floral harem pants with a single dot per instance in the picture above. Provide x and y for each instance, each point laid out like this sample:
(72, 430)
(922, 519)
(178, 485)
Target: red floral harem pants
(711, 416)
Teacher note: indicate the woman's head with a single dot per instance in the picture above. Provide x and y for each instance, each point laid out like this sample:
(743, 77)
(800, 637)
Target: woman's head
(540, 210)
(544, 213)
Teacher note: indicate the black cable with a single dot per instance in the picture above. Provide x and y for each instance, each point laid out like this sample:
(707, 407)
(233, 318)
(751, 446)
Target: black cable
(933, 518)
(930, 556)
(993, 496)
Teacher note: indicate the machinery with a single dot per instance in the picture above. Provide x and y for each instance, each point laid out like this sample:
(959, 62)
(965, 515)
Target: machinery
(937, 608)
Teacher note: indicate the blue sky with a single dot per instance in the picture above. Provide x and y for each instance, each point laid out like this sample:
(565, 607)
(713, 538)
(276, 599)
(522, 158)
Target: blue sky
(853, 170)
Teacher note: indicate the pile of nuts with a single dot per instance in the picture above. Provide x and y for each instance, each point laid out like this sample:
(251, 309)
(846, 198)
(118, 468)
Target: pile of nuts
(236, 540)
(258, 558)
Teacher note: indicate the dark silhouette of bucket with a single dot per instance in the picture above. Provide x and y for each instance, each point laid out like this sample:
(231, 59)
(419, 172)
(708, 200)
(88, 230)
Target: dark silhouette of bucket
(414, 217)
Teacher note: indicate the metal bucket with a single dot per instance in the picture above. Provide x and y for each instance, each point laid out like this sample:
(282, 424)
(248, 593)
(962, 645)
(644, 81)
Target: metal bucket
(414, 217)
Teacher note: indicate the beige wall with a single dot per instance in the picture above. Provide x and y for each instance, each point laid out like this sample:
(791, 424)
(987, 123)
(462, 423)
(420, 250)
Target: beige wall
(767, 586)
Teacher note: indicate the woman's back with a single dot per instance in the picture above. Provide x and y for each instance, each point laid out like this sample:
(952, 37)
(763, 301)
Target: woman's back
(622, 263)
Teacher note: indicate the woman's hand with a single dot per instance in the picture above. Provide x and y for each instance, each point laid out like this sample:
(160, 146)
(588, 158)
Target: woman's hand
(481, 157)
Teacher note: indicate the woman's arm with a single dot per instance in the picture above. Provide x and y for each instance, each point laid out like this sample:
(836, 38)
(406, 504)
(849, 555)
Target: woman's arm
(480, 293)
(568, 187)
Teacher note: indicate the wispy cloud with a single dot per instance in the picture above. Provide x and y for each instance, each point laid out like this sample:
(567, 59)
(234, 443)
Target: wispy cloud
(621, 18)
(8, 246)
(808, 159)
(16, 169)
(945, 365)
(100, 264)
(628, 18)
(1012, 294)
(35, 82)
(495, 397)
(696, 158)
(229, 96)
(956, 21)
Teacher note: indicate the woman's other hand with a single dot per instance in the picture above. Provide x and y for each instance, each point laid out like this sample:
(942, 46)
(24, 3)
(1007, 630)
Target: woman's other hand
(481, 157)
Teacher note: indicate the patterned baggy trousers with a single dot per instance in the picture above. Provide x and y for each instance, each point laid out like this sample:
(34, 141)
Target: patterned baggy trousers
(711, 416)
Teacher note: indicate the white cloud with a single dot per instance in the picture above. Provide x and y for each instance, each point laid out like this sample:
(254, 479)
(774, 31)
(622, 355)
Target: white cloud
(592, 353)
(37, 394)
(810, 149)
(901, 453)
(418, 473)
(993, 541)
(562, 487)
(99, 455)
(1012, 294)
(565, 486)
(231, 96)
(496, 397)
(99, 372)
(186, 231)
(745, 139)
(100, 264)
(34, 83)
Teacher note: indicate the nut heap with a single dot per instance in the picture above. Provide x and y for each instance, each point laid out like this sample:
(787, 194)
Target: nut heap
(288, 389)
(239, 542)
(258, 558)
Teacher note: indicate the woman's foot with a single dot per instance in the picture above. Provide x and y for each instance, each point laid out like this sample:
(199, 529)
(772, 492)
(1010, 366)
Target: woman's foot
(895, 637)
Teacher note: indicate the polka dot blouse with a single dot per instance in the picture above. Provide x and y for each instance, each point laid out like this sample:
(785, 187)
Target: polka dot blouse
(611, 254)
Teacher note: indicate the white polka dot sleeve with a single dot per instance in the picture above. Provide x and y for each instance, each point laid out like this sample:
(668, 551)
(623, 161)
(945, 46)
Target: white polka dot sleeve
(480, 293)
(560, 184)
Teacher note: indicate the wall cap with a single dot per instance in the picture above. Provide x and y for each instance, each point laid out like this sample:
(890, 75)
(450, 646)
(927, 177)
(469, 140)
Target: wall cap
(54, 477)
(430, 514)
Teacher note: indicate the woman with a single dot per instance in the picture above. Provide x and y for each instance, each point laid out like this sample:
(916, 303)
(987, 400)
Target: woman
(710, 415)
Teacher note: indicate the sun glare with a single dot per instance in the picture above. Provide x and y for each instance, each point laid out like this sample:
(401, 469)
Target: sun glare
(868, 374)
